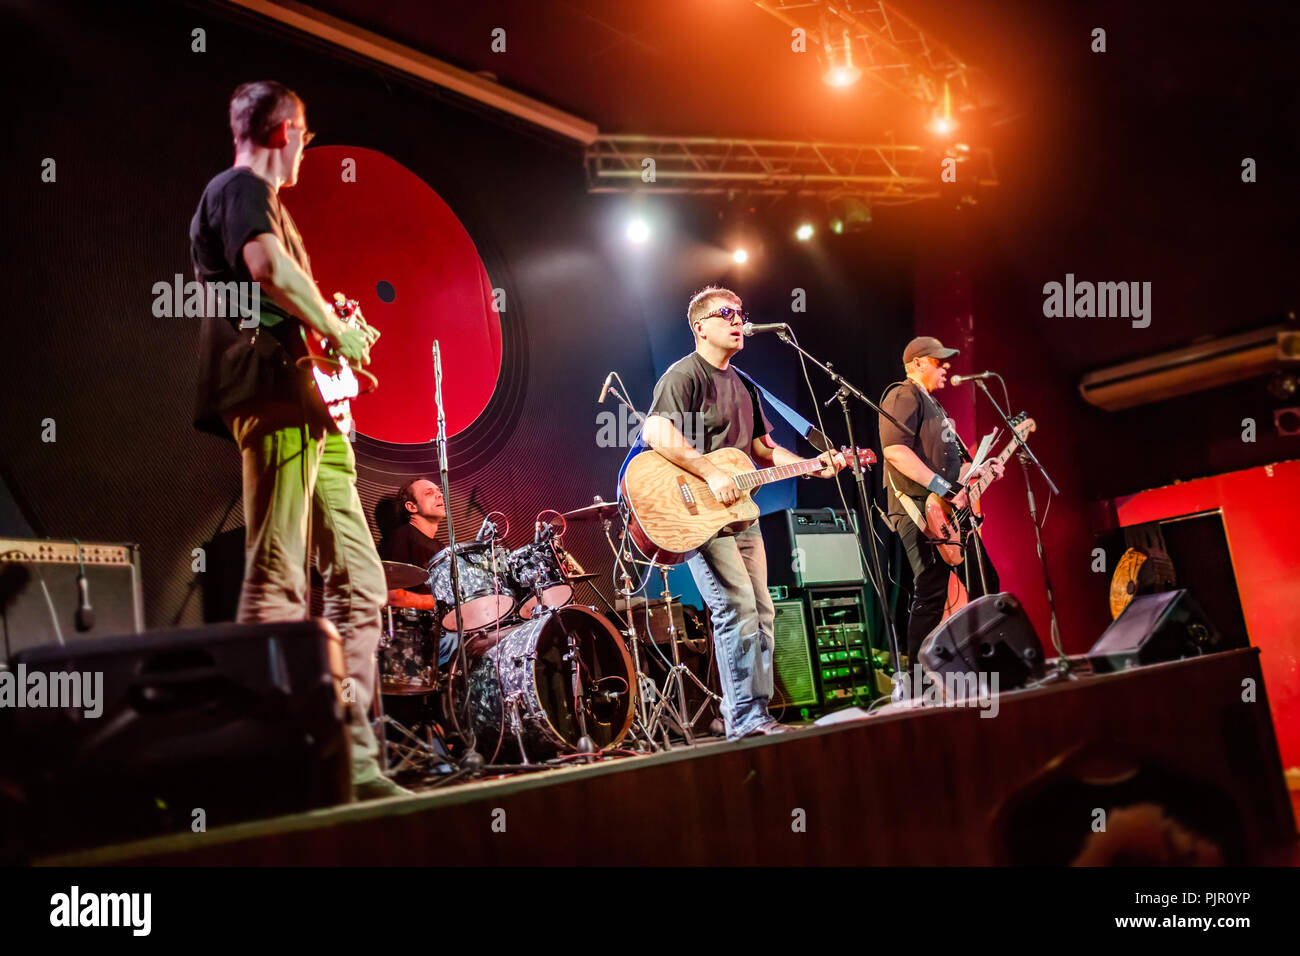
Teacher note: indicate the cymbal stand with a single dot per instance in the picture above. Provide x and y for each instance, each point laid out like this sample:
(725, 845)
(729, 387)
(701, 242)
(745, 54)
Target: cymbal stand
(680, 669)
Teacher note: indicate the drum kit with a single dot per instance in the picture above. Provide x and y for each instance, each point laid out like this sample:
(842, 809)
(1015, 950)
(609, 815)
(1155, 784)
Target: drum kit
(545, 678)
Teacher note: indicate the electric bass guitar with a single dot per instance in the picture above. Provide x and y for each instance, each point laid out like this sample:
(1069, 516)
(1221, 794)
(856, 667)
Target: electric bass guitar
(950, 525)
(337, 380)
(671, 512)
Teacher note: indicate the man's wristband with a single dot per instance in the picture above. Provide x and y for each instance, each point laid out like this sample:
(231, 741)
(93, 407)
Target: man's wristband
(940, 487)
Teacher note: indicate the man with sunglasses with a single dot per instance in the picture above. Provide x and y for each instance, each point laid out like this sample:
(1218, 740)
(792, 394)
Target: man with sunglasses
(299, 471)
(700, 405)
(932, 460)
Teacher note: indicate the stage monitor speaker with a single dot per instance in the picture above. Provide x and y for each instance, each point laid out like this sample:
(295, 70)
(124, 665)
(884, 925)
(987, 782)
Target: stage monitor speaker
(812, 547)
(152, 733)
(1153, 628)
(990, 635)
(792, 657)
(42, 601)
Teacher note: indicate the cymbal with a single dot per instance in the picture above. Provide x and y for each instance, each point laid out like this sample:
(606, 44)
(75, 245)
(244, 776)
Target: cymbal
(599, 511)
(398, 575)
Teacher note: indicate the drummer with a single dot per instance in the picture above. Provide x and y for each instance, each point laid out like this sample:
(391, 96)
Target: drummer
(416, 541)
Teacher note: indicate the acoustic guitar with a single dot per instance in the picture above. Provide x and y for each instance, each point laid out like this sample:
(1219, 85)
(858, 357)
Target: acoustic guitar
(671, 512)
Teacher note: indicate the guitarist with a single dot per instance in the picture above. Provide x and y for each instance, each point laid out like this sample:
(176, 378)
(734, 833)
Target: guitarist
(934, 460)
(703, 399)
(299, 472)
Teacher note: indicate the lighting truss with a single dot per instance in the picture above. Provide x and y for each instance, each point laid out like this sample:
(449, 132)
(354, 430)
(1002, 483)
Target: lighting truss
(878, 173)
(889, 48)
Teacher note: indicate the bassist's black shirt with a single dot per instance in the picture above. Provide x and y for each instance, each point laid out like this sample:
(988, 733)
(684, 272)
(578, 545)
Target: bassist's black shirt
(240, 368)
(935, 443)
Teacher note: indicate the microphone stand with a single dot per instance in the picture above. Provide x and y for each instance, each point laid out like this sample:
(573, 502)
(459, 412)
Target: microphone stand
(472, 761)
(1025, 455)
(844, 389)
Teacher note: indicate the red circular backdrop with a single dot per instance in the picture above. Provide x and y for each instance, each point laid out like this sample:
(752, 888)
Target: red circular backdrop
(390, 227)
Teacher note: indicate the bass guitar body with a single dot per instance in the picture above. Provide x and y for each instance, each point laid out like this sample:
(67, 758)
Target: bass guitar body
(941, 525)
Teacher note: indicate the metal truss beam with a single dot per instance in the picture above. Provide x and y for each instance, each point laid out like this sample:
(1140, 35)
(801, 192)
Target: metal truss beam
(891, 49)
(878, 173)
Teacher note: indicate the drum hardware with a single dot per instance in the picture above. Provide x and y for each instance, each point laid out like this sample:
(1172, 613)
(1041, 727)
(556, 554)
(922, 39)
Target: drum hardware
(472, 761)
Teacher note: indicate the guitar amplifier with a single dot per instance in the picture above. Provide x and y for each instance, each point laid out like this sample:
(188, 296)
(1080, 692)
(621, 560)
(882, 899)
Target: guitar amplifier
(808, 547)
(40, 594)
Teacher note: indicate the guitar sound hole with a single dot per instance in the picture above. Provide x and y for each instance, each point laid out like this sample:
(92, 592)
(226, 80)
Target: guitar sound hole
(385, 291)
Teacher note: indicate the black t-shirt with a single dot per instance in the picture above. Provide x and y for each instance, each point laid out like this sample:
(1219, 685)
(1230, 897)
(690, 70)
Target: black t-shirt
(410, 545)
(713, 408)
(920, 411)
(238, 367)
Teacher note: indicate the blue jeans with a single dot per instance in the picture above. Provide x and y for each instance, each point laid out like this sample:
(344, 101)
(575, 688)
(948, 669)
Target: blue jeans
(731, 573)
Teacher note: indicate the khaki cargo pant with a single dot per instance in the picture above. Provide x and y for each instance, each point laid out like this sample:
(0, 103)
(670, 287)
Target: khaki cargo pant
(285, 466)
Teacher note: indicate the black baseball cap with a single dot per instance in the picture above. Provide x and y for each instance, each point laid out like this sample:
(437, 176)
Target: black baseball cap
(927, 346)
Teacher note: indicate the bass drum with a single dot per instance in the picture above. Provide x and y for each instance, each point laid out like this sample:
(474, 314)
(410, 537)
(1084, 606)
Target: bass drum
(533, 697)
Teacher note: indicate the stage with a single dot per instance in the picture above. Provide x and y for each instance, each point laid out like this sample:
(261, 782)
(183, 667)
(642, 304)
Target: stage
(937, 786)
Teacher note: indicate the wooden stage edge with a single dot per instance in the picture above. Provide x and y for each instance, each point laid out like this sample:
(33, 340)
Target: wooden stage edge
(934, 786)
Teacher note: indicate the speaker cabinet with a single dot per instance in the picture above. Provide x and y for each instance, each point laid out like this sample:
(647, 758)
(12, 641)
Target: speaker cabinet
(219, 724)
(990, 635)
(792, 657)
(40, 594)
(1153, 628)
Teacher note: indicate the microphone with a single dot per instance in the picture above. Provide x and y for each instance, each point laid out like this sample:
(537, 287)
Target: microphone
(959, 379)
(749, 328)
(604, 389)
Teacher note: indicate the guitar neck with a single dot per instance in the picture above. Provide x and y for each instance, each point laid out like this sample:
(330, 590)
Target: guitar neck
(978, 488)
(753, 479)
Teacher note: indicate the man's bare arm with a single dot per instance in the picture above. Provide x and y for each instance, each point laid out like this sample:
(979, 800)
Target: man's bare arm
(906, 461)
(287, 285)
(663, 436)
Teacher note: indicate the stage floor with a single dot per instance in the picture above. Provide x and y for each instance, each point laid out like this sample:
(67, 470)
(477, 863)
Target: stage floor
(932, 786)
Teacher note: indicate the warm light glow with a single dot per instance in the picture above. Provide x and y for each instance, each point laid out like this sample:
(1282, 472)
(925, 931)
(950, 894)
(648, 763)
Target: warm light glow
(637, 231)
(942, 125)
(804, 232)
(741, 256)
(842, 75)
(842, 71)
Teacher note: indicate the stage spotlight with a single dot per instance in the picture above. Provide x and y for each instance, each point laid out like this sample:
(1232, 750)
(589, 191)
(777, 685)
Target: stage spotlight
(842, 71)
(637, 231)
(741, 256)
(942, 125)
(837, 226)
(804, 232)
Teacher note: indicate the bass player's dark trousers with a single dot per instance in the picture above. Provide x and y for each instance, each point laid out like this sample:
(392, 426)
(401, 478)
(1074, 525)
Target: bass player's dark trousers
(930, 574)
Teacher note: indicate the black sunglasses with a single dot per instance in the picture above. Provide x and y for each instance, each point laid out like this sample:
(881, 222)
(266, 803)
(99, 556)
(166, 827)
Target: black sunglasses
(730, 314)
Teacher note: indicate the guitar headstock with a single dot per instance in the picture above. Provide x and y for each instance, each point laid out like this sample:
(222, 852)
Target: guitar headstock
(347, 309)
(866, 457)
(1024, 425)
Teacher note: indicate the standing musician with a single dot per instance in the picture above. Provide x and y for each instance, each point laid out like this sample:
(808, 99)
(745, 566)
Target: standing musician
(416, 542)
(704, 395)
(932, 460)
(299, 471)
